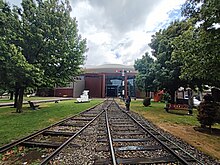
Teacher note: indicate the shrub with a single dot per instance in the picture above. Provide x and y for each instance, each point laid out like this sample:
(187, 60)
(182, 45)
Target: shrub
(146, 102)
(208, 112)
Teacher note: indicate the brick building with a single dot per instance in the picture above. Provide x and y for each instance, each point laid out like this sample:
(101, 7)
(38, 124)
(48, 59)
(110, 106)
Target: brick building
(109, 80)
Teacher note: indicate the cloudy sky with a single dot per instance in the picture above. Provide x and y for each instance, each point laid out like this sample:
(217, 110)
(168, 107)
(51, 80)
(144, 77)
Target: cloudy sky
(119, 31)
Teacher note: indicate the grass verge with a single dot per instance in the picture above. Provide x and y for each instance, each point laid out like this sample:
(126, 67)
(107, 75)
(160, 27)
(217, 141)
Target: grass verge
(17, 125)
(157, 113)
(7, 100)
(182, 125)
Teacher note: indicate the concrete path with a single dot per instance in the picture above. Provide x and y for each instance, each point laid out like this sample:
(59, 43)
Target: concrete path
(36, 101)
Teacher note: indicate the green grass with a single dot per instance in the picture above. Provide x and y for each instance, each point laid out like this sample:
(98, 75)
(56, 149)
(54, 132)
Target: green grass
(5, 100)
(182, 125)
(156, 112)
(17, 125)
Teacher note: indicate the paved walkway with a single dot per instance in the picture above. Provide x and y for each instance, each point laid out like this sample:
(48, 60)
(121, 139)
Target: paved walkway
(36, 101)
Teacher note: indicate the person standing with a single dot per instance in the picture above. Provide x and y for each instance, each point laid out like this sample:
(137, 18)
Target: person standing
(127, 103)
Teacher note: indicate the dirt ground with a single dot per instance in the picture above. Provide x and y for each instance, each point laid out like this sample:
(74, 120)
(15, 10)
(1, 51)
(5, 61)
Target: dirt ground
(201, 139)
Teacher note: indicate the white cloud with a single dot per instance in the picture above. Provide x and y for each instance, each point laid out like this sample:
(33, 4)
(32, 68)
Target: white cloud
(119, 31)
(161, 16)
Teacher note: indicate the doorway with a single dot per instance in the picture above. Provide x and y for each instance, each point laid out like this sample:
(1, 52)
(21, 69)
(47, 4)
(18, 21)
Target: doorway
(111, 91)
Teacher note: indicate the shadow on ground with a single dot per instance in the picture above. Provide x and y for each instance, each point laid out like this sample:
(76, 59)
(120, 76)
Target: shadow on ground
(178, 112)
(213, 131)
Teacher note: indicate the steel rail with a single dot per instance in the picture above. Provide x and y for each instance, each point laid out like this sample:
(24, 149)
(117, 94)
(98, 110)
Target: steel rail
(17, 142)
(198, 161)
(110, 138)
(57, 151)
(182, 160)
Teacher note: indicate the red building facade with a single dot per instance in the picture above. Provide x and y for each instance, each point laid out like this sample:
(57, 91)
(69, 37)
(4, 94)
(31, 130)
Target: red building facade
(95, 84)
(110, 80)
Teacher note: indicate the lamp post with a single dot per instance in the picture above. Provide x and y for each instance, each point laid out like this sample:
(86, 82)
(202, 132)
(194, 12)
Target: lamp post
(190, 100)
(123, 83)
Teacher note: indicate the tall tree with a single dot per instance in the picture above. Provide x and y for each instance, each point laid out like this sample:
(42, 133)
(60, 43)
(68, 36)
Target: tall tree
(13, 66)
(198, 46)
(47, 41)
(167, 70)
(145, 79)
(5, 15)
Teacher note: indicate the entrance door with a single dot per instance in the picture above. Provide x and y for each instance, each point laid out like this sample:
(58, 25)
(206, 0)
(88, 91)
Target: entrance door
(111, 91)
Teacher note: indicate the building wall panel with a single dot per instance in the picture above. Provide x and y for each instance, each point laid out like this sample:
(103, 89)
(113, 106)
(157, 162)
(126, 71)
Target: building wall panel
(94, 85)
(79, 86)
(60, 92)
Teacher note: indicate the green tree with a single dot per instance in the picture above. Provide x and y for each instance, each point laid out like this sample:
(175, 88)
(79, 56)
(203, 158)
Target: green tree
(167, 70)
(12, 62)
(47, 41)
(5, 34)
(145, 79)
(198, 46)
(50, 39)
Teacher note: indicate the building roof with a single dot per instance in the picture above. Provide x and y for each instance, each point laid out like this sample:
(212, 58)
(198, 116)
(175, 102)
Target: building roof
(110, 68)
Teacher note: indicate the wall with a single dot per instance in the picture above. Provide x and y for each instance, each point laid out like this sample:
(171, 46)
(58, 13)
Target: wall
(93, 83)
(60, 92)
(79, 86)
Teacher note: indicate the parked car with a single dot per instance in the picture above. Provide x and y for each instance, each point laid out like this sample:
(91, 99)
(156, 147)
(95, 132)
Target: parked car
(5, 94)
(196, 102)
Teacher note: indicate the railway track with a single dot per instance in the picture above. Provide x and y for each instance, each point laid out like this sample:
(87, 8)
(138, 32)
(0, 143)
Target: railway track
(44, 144)
(105, 134)
(133, 141)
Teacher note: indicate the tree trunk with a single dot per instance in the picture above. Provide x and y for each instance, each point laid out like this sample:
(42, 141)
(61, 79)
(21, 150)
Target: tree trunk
(172, 95)
(145, 87)
(145, 93)
(20, 100)
(16, 96)
(190, 100)
(210, 128)
(200, 95)
(11, 95)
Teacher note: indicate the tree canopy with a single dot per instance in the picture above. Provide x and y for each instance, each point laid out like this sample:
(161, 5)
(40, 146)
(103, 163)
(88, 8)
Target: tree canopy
(198, 46)
(40, 44)
(162, 72)
(187, 51)
(145, 79)
(168, 71)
